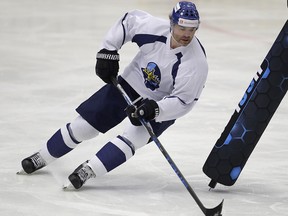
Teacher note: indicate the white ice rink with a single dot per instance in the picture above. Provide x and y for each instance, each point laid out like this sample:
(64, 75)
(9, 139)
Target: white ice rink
(47, 57)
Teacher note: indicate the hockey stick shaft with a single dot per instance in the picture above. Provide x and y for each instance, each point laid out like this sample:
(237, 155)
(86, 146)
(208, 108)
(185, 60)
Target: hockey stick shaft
(209, 212)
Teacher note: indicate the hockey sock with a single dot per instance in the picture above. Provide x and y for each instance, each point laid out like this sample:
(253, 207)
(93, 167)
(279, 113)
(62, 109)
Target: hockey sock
(112, 155)
(81, 130)
(67, 138)
(61, 142)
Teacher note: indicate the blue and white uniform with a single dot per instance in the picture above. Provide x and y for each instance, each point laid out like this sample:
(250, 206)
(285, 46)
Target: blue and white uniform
(174, 78)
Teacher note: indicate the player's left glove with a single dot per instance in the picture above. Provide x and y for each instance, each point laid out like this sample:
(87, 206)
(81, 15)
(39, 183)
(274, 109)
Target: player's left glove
(147, 110)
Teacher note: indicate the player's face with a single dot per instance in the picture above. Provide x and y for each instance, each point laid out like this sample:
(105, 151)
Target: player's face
(182, 35)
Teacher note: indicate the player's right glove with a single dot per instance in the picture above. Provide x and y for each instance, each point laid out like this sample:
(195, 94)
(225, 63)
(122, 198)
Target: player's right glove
(147, 110)
(107, 64)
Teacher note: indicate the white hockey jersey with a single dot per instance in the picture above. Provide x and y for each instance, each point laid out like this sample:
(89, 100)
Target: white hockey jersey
(172, 77)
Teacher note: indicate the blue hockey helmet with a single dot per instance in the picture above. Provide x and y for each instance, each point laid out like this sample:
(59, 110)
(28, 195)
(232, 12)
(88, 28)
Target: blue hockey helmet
(185, 14)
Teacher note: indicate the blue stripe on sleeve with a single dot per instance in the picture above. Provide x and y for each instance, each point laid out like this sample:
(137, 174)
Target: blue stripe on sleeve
(142, 39)
(124, 32)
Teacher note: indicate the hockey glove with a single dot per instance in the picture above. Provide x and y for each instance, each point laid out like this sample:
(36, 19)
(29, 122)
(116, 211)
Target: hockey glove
(107, 64)
(148, 110)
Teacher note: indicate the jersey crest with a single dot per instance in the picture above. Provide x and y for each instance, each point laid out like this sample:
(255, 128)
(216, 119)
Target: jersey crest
(152, 76)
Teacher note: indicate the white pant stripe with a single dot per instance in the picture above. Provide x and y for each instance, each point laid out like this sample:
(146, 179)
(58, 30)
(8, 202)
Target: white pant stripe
(67, 139)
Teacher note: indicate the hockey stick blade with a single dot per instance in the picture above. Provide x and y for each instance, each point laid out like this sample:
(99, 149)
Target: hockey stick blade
(208, 212)
(215, 211)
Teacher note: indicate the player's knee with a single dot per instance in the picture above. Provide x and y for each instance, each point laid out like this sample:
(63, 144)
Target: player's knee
(81, 130)
(137, 136)
(123, 143)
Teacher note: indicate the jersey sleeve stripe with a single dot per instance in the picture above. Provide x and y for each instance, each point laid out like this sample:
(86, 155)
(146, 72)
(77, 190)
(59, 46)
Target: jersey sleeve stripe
(142, 39)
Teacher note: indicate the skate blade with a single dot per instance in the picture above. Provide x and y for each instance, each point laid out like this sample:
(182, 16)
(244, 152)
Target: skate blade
(68, 187)
(21, 172)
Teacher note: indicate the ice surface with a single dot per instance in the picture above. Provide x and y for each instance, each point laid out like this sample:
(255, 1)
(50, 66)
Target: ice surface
(47, 57)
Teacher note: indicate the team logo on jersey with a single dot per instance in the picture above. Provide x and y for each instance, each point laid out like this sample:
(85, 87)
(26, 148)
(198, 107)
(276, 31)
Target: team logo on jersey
(152, 76)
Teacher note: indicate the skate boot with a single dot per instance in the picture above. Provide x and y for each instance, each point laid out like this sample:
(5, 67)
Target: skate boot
(80, 175)
(33, 163)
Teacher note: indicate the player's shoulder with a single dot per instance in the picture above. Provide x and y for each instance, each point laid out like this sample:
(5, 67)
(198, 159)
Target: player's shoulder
(195, 49)
(194, 57)
(147, 17)
(137, 12)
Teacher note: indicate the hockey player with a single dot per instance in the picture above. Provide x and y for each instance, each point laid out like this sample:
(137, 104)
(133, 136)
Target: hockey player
(164, 80)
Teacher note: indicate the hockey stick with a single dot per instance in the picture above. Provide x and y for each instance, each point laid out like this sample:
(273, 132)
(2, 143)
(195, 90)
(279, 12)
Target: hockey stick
(208, 212)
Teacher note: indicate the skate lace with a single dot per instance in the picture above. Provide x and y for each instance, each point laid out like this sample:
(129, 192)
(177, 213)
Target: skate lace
(38, 161)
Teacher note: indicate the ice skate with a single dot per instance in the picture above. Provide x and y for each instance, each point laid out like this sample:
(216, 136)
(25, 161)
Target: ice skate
(32, 163)
(80, 175)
